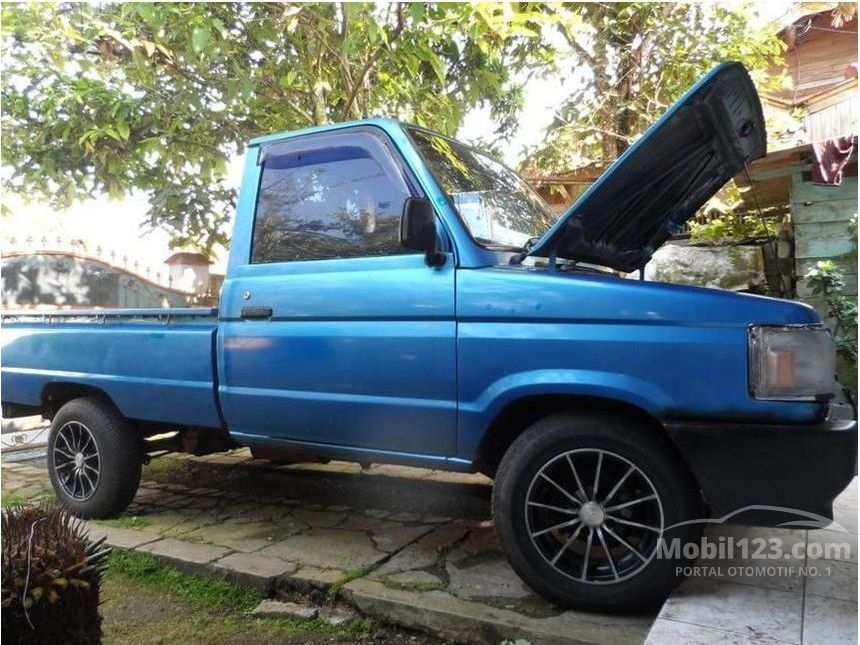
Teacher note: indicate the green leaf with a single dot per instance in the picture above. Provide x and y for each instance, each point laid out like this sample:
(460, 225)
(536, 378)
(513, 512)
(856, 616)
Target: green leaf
(199, 38)
(438, 67)
(122, 129)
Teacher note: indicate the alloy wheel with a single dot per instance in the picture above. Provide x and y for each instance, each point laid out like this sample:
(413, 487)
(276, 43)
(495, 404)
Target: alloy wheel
(76, 460)
(594, 516)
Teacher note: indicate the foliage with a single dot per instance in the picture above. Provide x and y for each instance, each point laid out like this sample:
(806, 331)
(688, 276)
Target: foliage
(630, 60)
(828, 280)
(158, 97)
(51, 577)
(724, 218)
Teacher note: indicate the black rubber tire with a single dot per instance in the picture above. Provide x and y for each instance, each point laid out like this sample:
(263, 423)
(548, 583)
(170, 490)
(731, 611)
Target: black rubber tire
(120, 458)
(636, 442)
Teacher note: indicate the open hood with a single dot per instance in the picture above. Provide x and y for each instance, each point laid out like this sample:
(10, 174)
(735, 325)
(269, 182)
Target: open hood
(660, 181)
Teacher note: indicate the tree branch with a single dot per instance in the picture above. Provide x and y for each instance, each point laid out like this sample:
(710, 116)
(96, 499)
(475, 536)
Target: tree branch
(374, 56)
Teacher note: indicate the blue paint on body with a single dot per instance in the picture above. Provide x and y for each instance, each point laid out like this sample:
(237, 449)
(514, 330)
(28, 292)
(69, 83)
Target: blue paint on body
(386, 359)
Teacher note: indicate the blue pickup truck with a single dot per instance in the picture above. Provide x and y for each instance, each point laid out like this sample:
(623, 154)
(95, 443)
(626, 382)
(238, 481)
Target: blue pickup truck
(395, 296)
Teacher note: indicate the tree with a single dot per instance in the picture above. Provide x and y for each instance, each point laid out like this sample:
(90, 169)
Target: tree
(630, 61)
(158, 97)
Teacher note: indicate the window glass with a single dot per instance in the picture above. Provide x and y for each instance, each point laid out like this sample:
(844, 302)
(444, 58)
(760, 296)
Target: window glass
(498, 206)
(339, 196)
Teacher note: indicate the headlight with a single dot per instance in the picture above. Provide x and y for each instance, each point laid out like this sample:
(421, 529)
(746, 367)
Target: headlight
(795, 363)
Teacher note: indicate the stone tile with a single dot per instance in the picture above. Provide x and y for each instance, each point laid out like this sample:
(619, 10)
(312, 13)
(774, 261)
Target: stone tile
(834, 580)
(174, 501)
(395, 538)
(829, 622)
(423, 553)
(289, 524)
(845, 510)
(376, 513)
(253, 570)
(279, 609)
(336, 617)
(481, 540)
(200, 502)
(824, 544)
(239, 537)
(317, 577)
(160, 520)
(408, 578)
(844, 519)
(405, 517)
(185, 556)
(119, 537)
(779, 573)
(459, 478)
(743, 609)
(327, 548)
(493, 578)
(670, 632)
(467, 621)
(318, 519)
(359, 523)
(435, 519)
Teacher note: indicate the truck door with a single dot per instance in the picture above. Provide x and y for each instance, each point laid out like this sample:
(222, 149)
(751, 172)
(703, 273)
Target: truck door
(331, 332)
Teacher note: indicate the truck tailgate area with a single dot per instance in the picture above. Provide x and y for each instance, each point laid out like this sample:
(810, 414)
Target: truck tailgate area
(156, 365)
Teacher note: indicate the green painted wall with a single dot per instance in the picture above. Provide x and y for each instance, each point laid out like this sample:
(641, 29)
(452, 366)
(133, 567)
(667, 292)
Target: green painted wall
(820, 216)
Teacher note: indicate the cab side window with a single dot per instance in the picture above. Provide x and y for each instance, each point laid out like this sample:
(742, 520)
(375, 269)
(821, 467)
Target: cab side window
(326, 197)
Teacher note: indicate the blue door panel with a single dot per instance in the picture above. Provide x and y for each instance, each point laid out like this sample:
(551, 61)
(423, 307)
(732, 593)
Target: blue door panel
(358, 352)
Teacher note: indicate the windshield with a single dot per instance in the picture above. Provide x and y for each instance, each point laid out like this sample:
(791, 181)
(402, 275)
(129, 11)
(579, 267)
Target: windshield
(500, 209)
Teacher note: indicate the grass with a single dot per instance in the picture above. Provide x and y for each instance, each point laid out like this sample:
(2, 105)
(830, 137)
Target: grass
(204, 593)
(125, 522)
(14, 499)
(208, 610)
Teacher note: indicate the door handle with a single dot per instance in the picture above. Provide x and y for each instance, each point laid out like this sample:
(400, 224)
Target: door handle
(256, 312)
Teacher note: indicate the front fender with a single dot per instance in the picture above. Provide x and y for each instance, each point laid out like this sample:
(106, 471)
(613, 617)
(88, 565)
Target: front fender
(476, 416)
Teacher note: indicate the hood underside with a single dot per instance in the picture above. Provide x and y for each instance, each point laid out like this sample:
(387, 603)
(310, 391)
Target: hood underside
(651, 190)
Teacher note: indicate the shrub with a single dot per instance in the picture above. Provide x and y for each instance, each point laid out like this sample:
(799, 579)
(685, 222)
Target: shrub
(828, 281)
(51, 577)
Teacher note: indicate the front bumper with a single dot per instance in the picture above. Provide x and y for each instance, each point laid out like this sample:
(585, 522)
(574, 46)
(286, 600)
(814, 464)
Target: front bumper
(770, 475)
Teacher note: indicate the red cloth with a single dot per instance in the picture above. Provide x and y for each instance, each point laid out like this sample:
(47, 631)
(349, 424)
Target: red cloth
(830, 158)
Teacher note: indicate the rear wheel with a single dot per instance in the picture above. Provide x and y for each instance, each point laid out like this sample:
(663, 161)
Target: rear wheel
(94, 458)
(581, 504)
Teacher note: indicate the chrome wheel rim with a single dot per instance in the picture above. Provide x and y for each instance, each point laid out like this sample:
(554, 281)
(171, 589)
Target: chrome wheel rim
(594, 516)
(76, 461)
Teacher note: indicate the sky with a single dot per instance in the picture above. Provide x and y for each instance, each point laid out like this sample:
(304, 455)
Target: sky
(116, 225)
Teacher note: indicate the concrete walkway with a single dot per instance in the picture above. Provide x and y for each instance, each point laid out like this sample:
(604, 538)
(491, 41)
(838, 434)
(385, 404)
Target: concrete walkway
(414, 547)
(810, 599)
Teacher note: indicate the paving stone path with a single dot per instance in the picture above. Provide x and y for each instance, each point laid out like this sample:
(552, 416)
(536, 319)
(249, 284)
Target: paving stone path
(417, 548)
(411, 546)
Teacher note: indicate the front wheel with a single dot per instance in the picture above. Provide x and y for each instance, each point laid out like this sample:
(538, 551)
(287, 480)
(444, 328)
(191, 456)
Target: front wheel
(94, 458)
(587, 507)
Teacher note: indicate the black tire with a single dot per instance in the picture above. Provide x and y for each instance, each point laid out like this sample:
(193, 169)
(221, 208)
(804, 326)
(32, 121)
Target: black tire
(117, 462)
(613, 443)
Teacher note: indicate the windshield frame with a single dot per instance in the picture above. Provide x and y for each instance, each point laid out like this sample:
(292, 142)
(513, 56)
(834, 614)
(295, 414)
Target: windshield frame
(408, 129)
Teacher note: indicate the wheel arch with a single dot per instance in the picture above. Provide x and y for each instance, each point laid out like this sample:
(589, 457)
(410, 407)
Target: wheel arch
(55, 395)
(517, 415)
